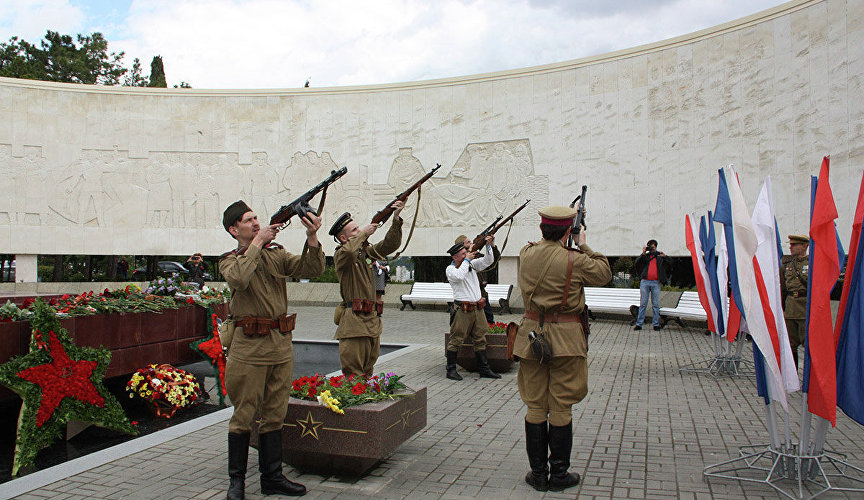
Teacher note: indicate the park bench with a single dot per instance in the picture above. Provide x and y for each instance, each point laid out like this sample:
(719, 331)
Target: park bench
(442, 292)
(611, 300)
(688, 307)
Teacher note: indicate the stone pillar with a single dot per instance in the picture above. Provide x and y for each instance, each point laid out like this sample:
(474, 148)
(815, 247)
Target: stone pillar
(25, 268)
(508, 271)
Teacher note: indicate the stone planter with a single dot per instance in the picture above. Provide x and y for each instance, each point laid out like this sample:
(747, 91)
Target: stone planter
(496, 353)
(315, 439)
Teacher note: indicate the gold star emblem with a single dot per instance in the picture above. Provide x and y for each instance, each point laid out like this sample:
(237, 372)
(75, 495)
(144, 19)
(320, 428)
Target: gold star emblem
(310, 426)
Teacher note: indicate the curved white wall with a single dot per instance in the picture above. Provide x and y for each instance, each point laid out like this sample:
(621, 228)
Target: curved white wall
(109, 170)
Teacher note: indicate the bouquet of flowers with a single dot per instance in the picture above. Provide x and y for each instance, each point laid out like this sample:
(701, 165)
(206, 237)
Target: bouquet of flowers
(164, 388)
(10, 312)
(168, 286)
(340, 392)
(497, 327)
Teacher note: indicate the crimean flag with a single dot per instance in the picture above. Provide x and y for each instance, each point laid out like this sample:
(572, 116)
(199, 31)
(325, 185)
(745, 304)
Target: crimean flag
(746, 277)
(823, 273)
(850, 325)
(768, 284)
(699, 271)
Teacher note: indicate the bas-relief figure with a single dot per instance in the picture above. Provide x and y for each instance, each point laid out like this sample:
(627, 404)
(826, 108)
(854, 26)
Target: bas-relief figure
(107, 188)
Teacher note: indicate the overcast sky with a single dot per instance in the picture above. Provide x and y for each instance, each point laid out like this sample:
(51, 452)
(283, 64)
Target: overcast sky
(249, 44)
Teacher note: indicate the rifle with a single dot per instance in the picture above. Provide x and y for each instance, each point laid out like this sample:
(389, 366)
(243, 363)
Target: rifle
(579, 221)
(300, 207)
(382, 215)
(480, 240)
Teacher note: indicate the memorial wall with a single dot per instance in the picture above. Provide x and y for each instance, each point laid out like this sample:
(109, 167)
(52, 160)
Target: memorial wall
(114, 170)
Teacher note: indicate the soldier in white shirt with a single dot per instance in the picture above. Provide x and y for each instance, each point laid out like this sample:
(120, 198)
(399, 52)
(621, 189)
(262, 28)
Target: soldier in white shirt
(469, 318)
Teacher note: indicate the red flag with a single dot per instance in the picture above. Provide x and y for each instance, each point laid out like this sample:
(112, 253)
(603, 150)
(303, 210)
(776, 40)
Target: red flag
(822, 399)
(733, 322)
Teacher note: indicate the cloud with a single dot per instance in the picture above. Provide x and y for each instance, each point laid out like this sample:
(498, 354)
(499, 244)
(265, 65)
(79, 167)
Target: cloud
(30, 19)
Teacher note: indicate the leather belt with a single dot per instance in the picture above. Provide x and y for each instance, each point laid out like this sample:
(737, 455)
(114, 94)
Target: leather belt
(801, 293)
(552, 318)
(365, 306)
(470, 306)
(253, 325)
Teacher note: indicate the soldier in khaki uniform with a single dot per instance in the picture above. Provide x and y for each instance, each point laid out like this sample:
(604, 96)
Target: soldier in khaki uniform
(793, 285)
(359, 314)
(550, 388)
(261, 358)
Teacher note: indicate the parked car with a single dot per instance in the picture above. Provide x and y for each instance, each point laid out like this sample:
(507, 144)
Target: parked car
(166, 268)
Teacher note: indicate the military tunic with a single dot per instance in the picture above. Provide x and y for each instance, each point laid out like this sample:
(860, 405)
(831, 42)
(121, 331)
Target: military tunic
(552, 388)
(793, 281)
(359, 333)
(260, 367)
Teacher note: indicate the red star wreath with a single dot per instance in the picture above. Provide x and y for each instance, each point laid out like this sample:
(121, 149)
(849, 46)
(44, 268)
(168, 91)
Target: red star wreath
(211, 348)
(58, 381)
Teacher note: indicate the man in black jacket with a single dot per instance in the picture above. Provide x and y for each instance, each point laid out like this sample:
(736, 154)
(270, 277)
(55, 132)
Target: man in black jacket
(652, 268)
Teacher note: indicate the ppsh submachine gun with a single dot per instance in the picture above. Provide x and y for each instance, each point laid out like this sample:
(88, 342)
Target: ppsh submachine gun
(300, 207)
(382, 215)
(480, 240)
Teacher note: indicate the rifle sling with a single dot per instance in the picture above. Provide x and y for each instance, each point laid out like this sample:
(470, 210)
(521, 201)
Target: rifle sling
(410, 233)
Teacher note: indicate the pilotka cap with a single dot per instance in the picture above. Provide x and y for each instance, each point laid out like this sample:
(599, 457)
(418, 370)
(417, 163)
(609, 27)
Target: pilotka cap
(234, 213)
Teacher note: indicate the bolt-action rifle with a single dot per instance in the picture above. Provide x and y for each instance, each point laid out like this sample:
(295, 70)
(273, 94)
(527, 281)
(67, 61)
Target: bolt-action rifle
(480, 239)
(382, 215)
(300, 207)
(579, 220)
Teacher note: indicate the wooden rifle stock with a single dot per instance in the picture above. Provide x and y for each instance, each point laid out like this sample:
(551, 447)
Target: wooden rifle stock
(382, 215)
(480, 240)
(579, 220)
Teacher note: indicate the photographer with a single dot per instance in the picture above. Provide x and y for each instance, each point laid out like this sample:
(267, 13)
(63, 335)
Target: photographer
(195, 263)
(652, 268)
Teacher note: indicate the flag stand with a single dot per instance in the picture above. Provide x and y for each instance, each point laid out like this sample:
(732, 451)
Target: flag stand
(725, 362)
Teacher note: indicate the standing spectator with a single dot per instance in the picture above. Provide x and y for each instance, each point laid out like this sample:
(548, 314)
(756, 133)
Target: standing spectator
(195, 263)
(122, 269)
(382, 276)
(793, 286)
(652, 268)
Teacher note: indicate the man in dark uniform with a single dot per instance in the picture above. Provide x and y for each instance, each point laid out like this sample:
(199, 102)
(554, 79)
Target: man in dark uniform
(358, 316)
(261, 358)
(551, 279)
(793, 285)
(468, 319)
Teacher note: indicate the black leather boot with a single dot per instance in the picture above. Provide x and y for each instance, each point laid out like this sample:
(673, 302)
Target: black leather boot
(560, 444)
(451, 366)
(238, 456)
(483, 366)
(270, 465)
(536, 442)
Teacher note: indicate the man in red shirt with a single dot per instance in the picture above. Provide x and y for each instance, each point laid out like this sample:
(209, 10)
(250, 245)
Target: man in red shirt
(652, 268)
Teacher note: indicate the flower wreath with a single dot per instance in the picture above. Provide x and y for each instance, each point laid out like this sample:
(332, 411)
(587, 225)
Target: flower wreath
(58, 381)
(211, 348)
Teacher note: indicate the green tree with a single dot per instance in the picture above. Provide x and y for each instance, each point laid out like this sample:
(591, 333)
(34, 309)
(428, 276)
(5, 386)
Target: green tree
(135, 78)
(157, 73)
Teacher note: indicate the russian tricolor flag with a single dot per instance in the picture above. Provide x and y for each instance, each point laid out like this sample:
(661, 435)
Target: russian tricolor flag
(703, 283)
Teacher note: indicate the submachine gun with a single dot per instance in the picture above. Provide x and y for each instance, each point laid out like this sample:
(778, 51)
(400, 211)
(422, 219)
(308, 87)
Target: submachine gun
(579, 220)
(480, 239)
(382, 215)
(300, 207)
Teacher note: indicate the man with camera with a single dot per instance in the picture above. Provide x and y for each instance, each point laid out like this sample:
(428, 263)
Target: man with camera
(195, 264)
(653, 269)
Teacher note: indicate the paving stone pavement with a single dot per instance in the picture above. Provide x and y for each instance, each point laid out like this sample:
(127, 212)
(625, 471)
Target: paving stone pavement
(643, 431)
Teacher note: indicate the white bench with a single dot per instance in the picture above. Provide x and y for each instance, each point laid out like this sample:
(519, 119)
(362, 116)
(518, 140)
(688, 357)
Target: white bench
(611, 300)
(442, 292)
(688, 308)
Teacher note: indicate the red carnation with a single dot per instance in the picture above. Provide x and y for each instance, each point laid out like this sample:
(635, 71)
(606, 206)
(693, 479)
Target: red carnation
(359, 388)
(27, 303)
(336, 381)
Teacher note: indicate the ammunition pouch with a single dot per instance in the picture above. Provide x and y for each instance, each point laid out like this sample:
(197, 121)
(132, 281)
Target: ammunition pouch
(253, 325)
(471, 306)
(366, 306)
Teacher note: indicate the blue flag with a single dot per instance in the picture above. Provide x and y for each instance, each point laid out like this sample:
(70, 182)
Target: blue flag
(709, 250)
(850, 347)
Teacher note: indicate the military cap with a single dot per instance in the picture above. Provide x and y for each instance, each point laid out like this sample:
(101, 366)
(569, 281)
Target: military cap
(557, 216)
(460, 239)
(455, 248)
(234, 213)
(340, 224)
(799, 238)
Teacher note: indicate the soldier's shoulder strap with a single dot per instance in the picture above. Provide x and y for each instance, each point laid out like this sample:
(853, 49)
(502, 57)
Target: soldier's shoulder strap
(786, 259)
(274, 246)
